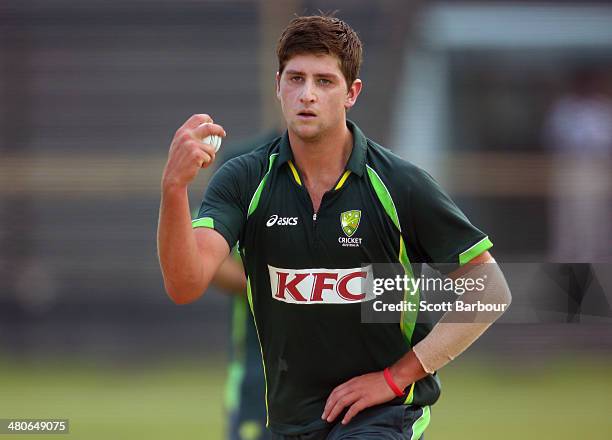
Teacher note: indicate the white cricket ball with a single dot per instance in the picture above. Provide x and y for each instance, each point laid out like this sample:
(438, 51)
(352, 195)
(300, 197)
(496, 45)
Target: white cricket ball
(213, 140)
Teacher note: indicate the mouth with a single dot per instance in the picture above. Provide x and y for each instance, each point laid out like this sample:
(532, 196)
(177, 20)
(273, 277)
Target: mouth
(307, 114)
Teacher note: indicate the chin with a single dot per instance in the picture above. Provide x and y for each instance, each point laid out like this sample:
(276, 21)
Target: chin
(307, 132)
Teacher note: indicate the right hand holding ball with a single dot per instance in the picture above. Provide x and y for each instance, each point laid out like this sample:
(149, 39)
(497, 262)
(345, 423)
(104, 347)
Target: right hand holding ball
(193, 147)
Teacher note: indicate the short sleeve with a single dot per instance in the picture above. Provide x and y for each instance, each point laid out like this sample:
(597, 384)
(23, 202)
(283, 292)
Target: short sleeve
(443, 235)
(222, 208)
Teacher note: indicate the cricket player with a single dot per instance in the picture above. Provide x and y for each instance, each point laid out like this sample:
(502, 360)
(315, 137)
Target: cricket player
(309, 210)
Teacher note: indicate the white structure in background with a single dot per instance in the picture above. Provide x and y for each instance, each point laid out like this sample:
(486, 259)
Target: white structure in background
(420, 129)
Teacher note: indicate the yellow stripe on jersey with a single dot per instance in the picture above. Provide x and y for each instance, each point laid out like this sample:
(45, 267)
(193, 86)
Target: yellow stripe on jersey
(295, 173)
(342, 180)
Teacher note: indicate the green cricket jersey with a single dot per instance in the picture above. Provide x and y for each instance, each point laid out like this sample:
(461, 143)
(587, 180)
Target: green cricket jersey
(305, 269)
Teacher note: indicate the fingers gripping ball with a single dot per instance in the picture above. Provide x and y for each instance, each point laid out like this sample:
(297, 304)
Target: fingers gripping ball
(213, 140)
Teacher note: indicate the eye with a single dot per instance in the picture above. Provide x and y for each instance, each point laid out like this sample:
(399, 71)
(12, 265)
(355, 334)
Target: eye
(324, 81)
(295, 78)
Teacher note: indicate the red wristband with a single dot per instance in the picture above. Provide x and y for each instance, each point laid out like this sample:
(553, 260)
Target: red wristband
(398, 392)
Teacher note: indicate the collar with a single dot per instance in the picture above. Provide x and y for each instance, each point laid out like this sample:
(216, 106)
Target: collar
(356, 163)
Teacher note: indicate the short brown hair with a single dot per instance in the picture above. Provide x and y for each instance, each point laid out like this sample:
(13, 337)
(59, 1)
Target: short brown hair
(321, 34)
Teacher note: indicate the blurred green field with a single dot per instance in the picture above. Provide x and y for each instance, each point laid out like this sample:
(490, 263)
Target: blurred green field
(560, 399)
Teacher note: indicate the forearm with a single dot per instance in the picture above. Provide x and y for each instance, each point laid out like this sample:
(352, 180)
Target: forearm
(179, 258)
(450, 336)
(456, 331)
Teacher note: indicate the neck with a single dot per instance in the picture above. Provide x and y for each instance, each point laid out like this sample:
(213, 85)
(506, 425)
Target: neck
(322, 161)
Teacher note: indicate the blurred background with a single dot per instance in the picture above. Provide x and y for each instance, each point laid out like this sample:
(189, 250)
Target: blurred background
(508, 104)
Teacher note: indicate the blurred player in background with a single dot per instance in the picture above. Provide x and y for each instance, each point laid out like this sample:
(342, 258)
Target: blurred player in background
(245, 388)
(578, 131)
(310, 212)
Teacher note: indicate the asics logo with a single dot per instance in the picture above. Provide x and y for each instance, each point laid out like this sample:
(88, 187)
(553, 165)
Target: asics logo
(281, 221)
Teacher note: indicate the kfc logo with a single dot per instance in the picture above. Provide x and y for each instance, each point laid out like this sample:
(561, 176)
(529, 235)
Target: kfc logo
(319, 286)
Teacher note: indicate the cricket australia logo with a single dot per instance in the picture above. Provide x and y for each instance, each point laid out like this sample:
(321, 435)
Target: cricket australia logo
(349, 220)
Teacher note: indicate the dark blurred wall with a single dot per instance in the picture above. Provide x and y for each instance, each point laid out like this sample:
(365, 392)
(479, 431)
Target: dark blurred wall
(92, 93)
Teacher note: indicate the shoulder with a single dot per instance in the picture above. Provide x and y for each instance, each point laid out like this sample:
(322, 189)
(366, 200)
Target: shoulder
(247, 146)
(399, 175)
(250, 167)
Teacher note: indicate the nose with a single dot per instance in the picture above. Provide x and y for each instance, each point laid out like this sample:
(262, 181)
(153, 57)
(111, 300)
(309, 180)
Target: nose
(308, 93)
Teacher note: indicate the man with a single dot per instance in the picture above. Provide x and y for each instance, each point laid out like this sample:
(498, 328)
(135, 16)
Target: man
(309, 210)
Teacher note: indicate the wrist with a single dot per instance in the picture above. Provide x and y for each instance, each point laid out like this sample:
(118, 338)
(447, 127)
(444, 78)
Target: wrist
(399, 377)
(407, 370)
(397, 390)
(170, 185)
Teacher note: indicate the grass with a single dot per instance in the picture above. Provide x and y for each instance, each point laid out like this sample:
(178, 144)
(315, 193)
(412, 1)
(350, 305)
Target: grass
(159, 401)
(562, 399)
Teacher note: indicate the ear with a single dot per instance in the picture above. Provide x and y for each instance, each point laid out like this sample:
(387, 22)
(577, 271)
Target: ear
(353, 92)
(277, 81)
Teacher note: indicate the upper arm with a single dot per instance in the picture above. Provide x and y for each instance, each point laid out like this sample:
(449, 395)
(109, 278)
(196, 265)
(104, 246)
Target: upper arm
(221, 217)
(224, 207)
(213, 250)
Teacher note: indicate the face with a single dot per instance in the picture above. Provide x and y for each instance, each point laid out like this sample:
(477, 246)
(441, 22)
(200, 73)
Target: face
(314, 95)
